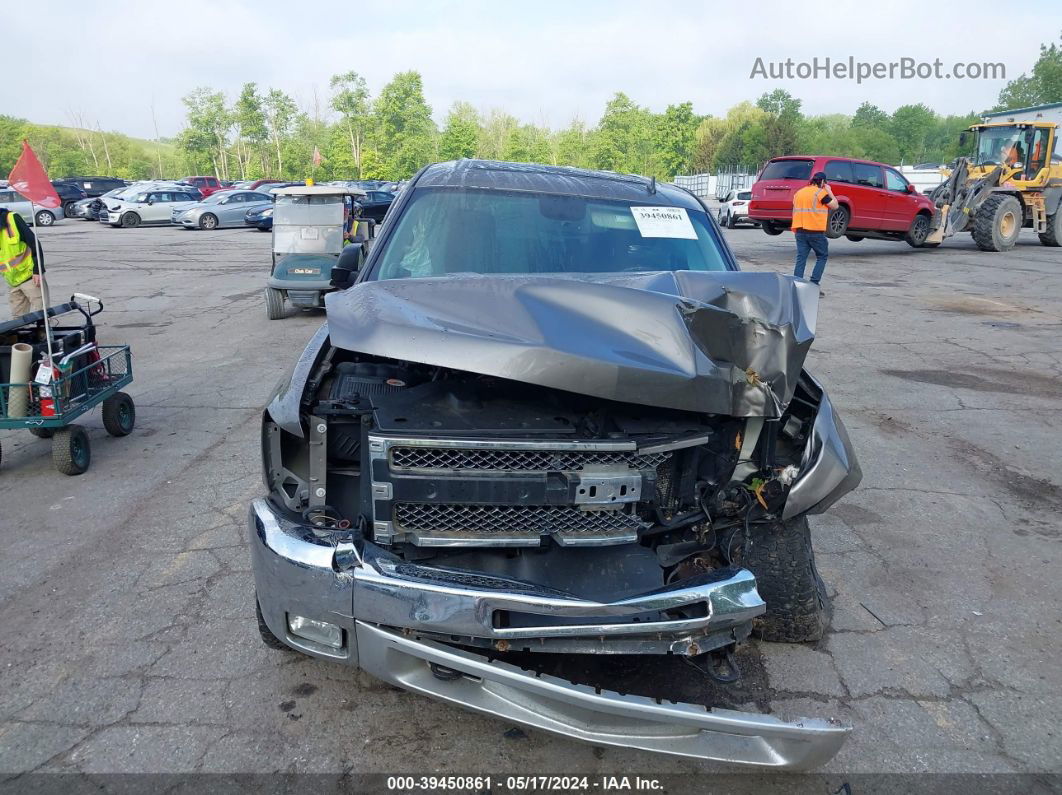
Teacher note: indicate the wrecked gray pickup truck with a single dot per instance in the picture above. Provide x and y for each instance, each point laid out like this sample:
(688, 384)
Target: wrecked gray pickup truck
(551, 418)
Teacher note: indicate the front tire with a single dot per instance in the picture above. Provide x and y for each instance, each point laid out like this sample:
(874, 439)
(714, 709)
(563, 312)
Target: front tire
(119, 414)
(837, 223)
(68, 210)
(783, 562)
(129, 220)
(44, 218)
(998, 223)
(1053, 236)
(919, 231)
(268, 638)
(208, 221)
(71, 452)
(274, 303)
(42, 433)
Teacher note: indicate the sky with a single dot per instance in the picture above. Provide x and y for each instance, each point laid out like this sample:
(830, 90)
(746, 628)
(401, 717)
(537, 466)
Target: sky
(125, 66)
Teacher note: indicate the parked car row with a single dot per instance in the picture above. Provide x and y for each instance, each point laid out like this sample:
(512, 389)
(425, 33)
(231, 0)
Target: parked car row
(205, 204)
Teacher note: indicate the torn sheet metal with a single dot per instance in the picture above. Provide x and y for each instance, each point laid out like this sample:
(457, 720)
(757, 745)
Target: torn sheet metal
(720, 342)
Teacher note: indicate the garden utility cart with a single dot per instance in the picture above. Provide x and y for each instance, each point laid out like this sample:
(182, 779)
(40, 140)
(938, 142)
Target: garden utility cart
(46, 400)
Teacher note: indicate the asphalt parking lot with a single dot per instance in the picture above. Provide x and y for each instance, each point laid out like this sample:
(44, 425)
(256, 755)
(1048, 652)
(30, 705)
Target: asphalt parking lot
(127, 614)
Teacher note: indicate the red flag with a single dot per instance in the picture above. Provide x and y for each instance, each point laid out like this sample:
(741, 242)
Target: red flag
(29, 178)
(316, 156)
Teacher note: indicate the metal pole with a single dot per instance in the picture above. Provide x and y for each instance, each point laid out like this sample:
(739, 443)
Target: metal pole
(44, 284)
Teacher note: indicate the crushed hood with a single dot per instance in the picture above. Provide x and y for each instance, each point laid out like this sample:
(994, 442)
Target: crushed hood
(717, 342)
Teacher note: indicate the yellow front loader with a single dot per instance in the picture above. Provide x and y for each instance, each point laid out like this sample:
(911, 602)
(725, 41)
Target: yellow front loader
(1013, 181)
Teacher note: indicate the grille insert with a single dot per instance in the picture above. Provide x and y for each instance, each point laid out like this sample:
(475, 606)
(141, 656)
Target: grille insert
(475, 521)
(488, 460)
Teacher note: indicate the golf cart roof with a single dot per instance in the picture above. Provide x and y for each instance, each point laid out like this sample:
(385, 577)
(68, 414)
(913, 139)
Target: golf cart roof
(318, 190)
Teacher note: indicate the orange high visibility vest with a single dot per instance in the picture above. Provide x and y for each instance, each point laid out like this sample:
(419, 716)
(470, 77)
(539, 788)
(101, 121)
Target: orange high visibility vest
(809, 213)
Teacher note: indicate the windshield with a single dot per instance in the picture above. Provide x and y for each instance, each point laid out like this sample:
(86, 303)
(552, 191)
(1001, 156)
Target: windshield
(997, 145)
(465, 231)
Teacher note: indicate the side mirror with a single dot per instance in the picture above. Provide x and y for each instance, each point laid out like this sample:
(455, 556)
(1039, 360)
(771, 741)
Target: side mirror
(150, 201)
(342, 278)
(910, 188)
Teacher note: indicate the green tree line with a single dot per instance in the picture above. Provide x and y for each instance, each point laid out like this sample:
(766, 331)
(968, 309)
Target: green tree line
(263, 132)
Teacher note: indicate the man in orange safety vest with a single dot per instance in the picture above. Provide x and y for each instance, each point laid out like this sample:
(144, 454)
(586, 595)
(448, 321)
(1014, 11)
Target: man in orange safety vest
(811, 211)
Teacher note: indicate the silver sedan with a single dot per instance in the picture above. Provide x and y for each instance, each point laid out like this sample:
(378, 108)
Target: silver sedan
(224, 208)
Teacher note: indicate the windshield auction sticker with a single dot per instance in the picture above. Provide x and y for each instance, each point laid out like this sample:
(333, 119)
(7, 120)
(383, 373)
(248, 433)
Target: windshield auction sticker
(663, 222)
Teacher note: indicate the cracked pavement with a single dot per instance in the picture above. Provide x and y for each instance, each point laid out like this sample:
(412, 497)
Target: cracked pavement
(130, 642)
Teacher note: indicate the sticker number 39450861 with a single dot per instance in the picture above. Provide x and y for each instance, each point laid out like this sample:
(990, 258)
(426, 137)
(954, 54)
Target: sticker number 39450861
(664, 222)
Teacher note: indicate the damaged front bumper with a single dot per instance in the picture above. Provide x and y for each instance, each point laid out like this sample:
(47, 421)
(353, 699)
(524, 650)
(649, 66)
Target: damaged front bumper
(392, 615)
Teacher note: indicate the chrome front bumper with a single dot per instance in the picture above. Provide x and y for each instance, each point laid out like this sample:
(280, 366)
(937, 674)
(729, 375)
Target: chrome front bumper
(392, 613)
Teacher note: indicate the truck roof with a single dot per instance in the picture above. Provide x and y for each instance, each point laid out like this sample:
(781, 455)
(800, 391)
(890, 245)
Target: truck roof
(559, 180)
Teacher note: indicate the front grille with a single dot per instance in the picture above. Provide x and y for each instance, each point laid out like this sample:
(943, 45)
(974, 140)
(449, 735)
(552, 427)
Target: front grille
(523, 520)
(479, 459)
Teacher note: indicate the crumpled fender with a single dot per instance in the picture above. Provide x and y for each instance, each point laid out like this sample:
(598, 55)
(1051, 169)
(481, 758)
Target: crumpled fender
(283, 405)
(828, 467)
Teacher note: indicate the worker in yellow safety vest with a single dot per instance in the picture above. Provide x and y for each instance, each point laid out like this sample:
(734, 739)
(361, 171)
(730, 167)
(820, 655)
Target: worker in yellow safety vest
(21, 267)
(811, 211)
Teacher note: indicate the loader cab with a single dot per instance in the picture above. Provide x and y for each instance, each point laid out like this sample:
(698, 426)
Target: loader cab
(1023, 150)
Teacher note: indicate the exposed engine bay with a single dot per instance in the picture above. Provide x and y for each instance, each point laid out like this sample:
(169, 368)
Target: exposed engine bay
(431, 461)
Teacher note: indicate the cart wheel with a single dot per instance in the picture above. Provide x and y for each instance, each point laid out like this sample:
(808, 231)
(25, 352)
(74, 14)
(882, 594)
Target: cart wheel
(274, 303)
(71, 453)
(119, 414)
(42, 433)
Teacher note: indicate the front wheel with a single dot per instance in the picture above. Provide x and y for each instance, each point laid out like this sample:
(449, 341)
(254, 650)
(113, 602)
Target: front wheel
(837, 224)
(1052, 236)
(208, 221)
(68, 210)
(268, 638)
(71, 453)
(919, 231)
(274, 303)
(129, 220)
(119, 414)
(44, 218)
(783, 562)
(771, 227)
(998, 222)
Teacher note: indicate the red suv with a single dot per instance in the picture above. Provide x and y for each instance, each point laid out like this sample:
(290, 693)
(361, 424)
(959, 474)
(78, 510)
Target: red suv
(875, 200)
(206, 185)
